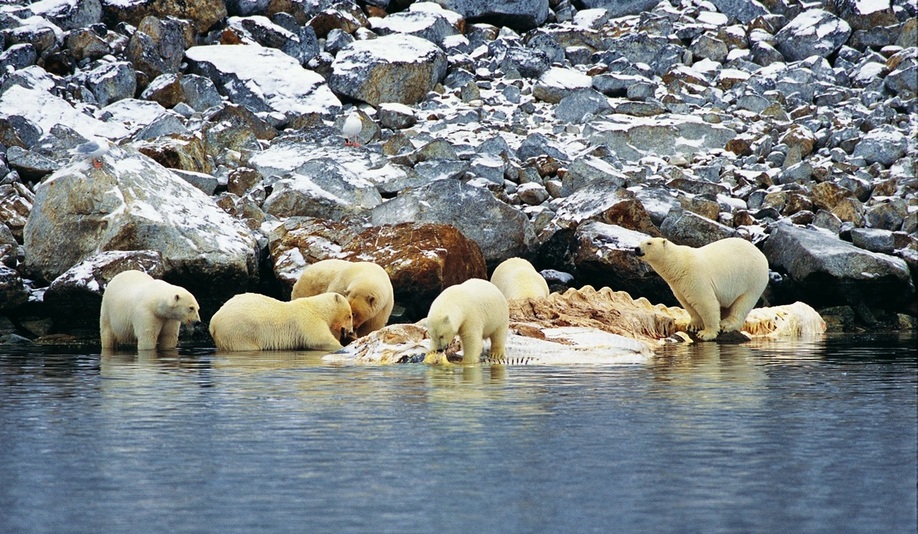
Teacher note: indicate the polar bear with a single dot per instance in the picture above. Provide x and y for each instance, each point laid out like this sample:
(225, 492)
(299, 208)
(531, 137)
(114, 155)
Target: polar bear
(365, 284)
(724, 276)
(137, 308)
(517, 279)
(474, 309)
(250, 321)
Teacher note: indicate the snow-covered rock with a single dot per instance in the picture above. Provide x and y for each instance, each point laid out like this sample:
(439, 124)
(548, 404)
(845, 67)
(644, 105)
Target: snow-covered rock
(393, 68)
(132, 203)
(263, 79)
(812, 33)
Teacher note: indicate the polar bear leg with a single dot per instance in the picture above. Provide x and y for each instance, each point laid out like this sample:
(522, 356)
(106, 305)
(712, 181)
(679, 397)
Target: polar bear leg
(471, 347)
(707, 309)
(327, 342)
(147, 332)
(695, 323)
(738, 312)
(168, 335)
(107, 336)
(498, 342)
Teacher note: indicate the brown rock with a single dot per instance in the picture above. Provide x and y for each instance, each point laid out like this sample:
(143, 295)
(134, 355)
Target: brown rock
(185, 153)
(203, 13)
(15, 204)
(630, 213)
(850, 209)
(799, 137)
(827, 195)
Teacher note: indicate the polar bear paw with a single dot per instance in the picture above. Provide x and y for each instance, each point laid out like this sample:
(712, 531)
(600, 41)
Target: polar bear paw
(730, 324)
(707, 334)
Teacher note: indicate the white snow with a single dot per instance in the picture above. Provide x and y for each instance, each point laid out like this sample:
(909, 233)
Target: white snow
(565, 78)
(432, 7)
(285, 85)
(395, 48)
(46, 110)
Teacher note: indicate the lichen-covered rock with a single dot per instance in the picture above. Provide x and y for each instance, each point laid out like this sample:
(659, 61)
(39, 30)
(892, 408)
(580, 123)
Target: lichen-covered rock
(203, 13)
(392, 68)
(667, 135)
(322, 188)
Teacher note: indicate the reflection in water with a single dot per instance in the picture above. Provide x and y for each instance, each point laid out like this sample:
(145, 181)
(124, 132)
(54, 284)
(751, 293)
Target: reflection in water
(765, 437)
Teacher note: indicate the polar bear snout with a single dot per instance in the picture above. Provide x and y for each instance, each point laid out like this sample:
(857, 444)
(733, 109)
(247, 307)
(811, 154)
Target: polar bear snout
(638, 252)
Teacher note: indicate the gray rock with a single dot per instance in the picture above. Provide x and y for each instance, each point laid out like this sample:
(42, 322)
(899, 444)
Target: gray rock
(874, 240)
(322, 188)
(581, 106)
(17, 57)
(632, 139)
(424, 24)
(12, 291)
(655, 51)
(686, 228)
(616, 84)
(517, 14)
(888, 214)
(904, 79)
(588, 170)
(199, 92)
(473, 210)
(68, 15)
(264, 80)
(621, 8)
(829, 271)
(536, 145)
(744, 11)
(301, 45)
(524, 62)
(814, 32)
(157, 46)
(132, 203)
(393, 68)
(883, 145)
(556, 83)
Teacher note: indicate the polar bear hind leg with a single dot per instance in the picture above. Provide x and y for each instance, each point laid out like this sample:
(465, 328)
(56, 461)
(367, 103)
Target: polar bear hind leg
(707, 310)
(737, 313)
(498, 342)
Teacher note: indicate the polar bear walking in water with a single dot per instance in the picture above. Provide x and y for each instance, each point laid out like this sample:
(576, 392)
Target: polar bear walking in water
(473, 310)
(729, 275)
(137, 308)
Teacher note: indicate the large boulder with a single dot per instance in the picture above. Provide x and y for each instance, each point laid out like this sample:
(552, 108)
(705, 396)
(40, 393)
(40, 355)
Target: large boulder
(620, 8)
(632, 138)
(133, 203)
(263, 79)
(392, 68)
(499, 229)
(322, 188)
(824, 270)
(812, 33)
(421, 259)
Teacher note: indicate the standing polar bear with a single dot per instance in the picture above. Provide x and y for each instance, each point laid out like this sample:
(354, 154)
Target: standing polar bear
(727, 275)
(475, 310)
(137, 308)
(517, 279)
(250, 321)
(366, 286)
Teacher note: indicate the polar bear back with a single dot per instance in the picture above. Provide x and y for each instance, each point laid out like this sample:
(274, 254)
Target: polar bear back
(517, 279)
(250, 321)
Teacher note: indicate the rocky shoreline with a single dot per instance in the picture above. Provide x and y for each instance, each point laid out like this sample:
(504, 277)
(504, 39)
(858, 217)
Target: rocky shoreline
(563, 132)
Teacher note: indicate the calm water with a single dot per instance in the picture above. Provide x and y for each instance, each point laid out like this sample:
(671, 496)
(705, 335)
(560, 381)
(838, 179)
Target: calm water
(787, 437)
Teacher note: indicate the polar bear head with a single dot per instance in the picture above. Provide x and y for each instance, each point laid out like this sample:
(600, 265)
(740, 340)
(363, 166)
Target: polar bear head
(341, 323)
(652, 249)
(180, 305)
(442, 329)
(362, 295)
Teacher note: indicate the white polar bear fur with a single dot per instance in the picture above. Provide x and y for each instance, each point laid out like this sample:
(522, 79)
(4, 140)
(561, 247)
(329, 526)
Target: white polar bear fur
(725, 276)
(517, 279)
(250, 321)
(365, 284)
(473, 310)
(137, 308)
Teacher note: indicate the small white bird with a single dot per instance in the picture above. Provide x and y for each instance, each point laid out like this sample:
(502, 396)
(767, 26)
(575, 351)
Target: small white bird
(351, 129)
(94, 148)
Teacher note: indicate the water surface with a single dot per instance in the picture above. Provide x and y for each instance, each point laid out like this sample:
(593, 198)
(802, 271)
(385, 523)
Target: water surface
(775, 437)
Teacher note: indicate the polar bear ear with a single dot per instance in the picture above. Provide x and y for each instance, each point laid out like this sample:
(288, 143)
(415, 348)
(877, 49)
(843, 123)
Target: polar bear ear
(339, 299)
(371, 300)
(177, 298)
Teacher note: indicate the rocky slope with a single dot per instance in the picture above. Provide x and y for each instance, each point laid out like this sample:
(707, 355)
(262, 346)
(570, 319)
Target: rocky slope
(563, 132)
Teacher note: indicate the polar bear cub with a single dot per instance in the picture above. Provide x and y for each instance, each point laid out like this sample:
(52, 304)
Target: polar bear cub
(727, 275)
(137, 308)
(473, 310)
(250, 321)
(517, 279)
(366, 286)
